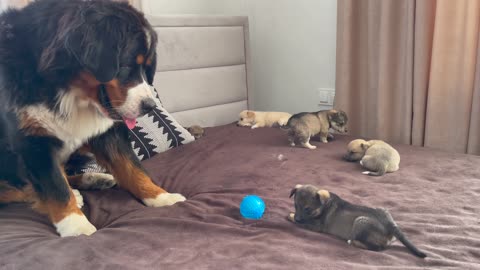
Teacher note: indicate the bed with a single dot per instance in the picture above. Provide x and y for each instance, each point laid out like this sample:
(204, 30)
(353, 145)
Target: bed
(434, 197)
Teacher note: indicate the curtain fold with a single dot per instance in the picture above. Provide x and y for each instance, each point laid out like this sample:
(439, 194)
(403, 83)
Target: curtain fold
(408, 71)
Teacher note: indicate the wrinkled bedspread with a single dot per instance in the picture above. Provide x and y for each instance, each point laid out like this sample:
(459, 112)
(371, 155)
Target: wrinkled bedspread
(434, 197)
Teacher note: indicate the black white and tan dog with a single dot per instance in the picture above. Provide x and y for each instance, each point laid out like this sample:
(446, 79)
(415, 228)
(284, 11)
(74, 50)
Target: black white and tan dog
(364, 227)
(73, 75)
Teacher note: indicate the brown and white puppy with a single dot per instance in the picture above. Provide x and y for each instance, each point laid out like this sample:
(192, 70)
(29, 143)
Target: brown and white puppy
(256, 119)
(377, 156)
(303, 126)
(364, 227)
(196, 131)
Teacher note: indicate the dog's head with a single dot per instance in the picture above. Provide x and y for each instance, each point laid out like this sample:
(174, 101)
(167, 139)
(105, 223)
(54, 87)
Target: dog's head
(338, 120)
(309, 202)
(196, 131)
(356, 150)
(112, 47)
(247, 118)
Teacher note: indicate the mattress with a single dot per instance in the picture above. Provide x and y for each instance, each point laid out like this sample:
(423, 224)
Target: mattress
(434, 197)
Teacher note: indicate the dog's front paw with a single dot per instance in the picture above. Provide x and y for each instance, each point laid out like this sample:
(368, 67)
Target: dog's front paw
(164, 199)
(78, 198)
(291, 217)
(75, 225)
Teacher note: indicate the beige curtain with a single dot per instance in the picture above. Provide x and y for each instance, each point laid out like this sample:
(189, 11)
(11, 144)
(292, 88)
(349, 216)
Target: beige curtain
(408, 71)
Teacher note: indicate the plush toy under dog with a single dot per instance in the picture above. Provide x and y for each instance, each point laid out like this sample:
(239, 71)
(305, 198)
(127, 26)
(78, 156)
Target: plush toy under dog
(378, 157)
(256, 119)
(364, 227)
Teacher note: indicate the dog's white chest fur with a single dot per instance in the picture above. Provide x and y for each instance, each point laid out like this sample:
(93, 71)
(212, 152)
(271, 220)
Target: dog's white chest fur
(76, 121)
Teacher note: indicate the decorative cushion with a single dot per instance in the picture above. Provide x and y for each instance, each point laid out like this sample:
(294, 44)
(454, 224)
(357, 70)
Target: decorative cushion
(154, 133)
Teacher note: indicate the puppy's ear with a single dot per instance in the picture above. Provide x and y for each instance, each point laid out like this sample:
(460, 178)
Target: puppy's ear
(294, 190)
(323, 195)
(250, 114)
(364, 145)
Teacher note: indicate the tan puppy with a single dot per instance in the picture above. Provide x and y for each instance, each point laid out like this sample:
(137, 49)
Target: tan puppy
(257, 119)
(376, 156)
(196, 131)
(302, 126)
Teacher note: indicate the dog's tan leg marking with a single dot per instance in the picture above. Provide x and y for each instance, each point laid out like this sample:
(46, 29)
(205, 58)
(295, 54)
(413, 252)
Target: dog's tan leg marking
(291, 217)
(67, 218)
(92, 180)
(133, 179)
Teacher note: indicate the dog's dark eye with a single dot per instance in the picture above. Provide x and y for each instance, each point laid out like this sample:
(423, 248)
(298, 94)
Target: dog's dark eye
(241, 119)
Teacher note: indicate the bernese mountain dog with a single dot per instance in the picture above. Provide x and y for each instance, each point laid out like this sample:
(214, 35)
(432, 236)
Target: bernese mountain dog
(74, 76)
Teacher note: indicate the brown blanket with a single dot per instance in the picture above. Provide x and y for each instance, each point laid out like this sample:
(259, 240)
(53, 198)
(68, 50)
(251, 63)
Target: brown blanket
(435, 198)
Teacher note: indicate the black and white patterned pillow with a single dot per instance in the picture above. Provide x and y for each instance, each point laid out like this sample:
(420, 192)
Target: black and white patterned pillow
(154, 133)
(157, 132)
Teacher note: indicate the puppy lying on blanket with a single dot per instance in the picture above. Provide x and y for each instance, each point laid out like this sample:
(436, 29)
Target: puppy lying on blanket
(378, 157)
(257, 119)
(363, 227)
(302, 126)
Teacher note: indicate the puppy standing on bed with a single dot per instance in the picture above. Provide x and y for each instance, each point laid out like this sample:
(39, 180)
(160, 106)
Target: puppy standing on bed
(303, 126)
(257, 119)
(376, 156)
(363, 227)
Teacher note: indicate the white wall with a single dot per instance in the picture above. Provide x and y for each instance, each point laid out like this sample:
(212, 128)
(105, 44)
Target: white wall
(292, 46)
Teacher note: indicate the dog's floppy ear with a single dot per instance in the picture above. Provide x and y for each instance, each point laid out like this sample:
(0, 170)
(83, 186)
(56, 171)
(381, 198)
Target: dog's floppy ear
(95, 45)
(250, 114)
(151, 64)
(294, 190)
(323, 195)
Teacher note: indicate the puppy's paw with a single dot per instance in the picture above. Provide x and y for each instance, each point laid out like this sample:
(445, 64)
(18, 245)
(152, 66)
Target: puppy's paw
(292, 144)
(366, 172)
(78, 198)
(349, 242)
(74, 225)
(361, 162)
(94, 180)
(291, 217)
(164, 199)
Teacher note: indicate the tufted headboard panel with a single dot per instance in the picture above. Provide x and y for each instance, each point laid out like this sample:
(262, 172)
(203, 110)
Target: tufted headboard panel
(202, 67)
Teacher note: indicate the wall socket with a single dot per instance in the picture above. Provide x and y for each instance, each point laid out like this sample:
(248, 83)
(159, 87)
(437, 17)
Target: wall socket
(326, 96)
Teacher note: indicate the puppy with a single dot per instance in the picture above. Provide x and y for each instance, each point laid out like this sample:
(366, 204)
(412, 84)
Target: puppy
(364, 227)
(256, 119)
(378, 157)
(196, 131)
(303, 126)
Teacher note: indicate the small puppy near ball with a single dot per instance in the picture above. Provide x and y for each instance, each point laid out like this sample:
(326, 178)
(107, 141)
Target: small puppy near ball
(377, 156)
(303, 126)
(369, 228)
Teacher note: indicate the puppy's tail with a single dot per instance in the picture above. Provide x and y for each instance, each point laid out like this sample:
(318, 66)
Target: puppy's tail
(380, 168)
(402, 238)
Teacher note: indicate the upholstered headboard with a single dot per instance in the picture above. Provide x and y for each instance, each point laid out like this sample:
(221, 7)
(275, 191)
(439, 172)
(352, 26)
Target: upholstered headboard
(202, 67)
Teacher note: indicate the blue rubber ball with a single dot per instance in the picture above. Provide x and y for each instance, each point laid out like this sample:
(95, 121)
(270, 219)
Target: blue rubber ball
(252, 207)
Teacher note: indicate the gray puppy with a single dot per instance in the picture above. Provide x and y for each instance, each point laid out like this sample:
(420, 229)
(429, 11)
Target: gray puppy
(364, 227)
(302, 126)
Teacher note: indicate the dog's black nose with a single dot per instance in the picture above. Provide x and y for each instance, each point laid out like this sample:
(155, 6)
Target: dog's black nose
(147, 106)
